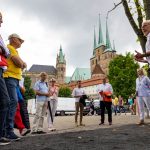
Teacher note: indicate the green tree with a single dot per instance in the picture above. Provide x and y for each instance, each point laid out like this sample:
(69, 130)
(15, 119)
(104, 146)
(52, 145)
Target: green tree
(64, 91)
(122, 75)
(29, 93)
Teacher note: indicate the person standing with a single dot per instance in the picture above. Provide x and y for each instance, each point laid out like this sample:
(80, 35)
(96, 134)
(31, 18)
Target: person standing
(12, 76)
(121, 103)
(131, 105)
(41, 90)
(78, 92)
(4, 97)
(115, 103)
(143, 93)
(52, 104)
(105, 90)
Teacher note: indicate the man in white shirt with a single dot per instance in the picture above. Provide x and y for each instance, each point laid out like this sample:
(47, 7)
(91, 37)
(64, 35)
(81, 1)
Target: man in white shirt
(146, 31)
(77, 93)
(105, 100)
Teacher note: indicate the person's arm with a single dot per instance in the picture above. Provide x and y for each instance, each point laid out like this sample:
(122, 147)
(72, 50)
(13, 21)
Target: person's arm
(38, 92)
(141, 60)
(41, 93)
(18, 62)
(141, 55)
(147, 81)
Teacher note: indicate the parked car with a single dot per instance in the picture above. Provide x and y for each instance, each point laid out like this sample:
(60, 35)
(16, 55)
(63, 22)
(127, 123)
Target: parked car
(97, 106)
(86, 109)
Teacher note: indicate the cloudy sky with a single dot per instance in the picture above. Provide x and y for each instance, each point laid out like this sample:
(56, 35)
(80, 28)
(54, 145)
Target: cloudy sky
(47, 24)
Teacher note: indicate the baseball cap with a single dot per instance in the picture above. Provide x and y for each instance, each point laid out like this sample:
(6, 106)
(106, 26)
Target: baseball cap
(16, 36)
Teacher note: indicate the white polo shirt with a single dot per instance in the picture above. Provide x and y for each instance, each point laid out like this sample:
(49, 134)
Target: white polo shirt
(77, 92)
(147, 46)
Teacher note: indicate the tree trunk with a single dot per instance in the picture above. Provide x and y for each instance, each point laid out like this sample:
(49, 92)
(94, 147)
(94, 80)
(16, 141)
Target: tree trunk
(147, 8)
(136, 29)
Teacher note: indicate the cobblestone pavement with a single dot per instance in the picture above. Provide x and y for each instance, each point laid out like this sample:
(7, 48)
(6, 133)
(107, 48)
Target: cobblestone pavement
(124, 134)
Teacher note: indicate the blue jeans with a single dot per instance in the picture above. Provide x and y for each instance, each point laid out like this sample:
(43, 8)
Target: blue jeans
(11, 84)
(4, 103)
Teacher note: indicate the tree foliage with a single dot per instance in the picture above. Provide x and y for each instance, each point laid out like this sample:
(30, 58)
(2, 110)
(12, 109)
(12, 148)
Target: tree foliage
(29, 93)
(64, 92)
(122, 75)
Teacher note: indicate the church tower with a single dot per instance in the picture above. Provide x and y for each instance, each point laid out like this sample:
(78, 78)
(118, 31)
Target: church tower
(103, 53)
(61, 67)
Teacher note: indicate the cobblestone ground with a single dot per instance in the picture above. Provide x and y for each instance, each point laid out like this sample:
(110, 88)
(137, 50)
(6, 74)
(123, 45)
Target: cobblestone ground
(124, 134)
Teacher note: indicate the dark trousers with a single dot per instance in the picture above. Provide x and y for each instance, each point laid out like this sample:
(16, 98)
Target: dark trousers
(106, 105)
(4, 103)
(24, 114)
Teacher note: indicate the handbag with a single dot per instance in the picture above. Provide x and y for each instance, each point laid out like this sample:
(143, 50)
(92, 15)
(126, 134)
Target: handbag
(107, 96)
(82, 100)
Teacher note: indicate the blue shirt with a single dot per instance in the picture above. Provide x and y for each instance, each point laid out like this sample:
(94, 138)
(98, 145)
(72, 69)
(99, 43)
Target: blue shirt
(143, 86)
(41, 87)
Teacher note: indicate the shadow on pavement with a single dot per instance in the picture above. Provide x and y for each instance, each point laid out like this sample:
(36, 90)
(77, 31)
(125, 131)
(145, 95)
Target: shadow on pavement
(128, 137)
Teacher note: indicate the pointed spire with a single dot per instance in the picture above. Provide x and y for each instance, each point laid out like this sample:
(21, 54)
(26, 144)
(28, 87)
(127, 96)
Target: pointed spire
(100, 39)
(114, 45)
(108, 44)
(61, 56)
(94, 41)
(60, 47)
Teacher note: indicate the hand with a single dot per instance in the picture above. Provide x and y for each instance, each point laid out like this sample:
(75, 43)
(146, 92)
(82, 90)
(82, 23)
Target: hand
(138, 55)
(141, 60)
(24, 65)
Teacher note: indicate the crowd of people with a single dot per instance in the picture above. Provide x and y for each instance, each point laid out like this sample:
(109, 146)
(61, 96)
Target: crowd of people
(13, 108)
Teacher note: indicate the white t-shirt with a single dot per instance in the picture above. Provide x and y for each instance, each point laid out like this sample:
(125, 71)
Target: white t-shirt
(77, 92)
(104, 88)
(148, 47)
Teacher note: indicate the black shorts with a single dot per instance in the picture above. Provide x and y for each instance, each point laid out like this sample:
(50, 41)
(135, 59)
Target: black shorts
(4, 97)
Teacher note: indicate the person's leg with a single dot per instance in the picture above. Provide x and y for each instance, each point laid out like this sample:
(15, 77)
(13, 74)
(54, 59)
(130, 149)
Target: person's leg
(108, 107)
(24, 114)
(115, 109)
(55, 102)
(147, 103)
(4, 104)
(18, 119)
(37, 116)
(81, 113)
(11, 85)
(76, 113)
(102, 107)
(42, 115)
(141, 108)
